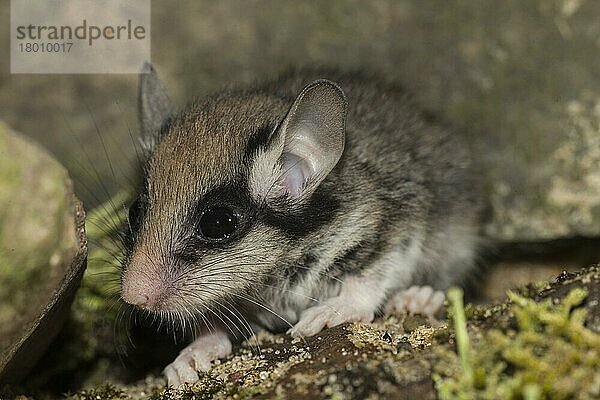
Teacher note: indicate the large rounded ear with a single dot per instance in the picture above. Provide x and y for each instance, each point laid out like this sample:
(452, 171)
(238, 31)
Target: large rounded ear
(154, 104)
(306, 146)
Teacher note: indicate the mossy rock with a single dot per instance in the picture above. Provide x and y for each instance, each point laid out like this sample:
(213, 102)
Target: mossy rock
(513, 352)
(42, 251)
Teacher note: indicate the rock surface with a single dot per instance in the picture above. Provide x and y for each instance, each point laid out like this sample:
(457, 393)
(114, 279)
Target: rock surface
(520, 78)
(42, 251)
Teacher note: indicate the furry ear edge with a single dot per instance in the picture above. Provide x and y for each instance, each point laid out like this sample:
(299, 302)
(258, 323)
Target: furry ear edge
(154, 105)
(308, 145)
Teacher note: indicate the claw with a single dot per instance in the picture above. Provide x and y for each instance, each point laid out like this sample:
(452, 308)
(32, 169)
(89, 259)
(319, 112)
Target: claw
(333, 312)
(197, 357)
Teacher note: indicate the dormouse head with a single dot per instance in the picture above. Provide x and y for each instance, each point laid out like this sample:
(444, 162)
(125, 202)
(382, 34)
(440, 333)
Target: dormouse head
(230, 185)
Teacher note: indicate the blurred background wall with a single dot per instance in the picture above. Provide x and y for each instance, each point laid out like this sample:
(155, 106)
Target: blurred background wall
(521, 78)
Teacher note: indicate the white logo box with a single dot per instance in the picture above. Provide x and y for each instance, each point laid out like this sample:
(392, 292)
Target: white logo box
(79, 36)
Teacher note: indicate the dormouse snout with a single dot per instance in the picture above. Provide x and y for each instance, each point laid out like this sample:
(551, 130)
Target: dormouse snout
(147, 290)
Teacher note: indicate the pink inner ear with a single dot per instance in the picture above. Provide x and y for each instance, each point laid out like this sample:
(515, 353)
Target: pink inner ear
(295, 173)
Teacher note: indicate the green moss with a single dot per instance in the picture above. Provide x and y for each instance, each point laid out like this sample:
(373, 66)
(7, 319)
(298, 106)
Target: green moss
(551, 355)
(481, 313)
(100, 281)
(89, 334)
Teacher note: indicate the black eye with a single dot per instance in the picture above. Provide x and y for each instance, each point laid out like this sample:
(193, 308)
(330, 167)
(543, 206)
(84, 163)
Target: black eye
(217, 223)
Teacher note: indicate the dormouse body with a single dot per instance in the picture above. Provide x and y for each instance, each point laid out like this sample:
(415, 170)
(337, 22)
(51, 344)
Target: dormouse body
(297, 205)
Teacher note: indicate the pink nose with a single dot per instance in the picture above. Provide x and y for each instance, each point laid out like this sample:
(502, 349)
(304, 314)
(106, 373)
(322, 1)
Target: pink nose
(144, 283)
(137, 299)
(143, 296)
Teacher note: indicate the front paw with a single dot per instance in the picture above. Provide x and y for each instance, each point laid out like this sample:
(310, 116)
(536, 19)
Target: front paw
(197, 357)
(416, 300)
(332, 312)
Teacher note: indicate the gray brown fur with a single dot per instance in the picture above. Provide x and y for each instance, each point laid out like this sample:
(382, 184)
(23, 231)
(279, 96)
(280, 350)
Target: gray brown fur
(402, 181)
